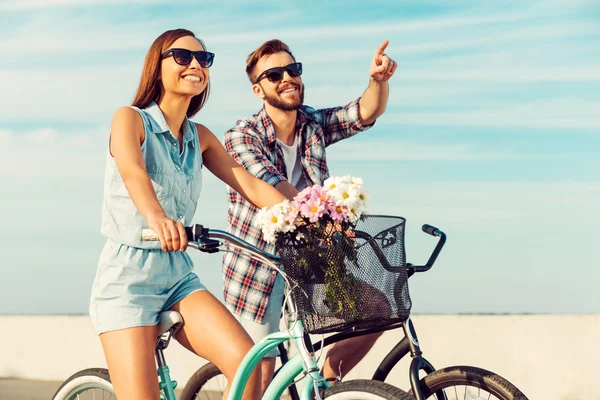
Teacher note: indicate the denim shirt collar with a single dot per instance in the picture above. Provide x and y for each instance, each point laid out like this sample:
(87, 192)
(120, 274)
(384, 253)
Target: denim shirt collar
(158, 124)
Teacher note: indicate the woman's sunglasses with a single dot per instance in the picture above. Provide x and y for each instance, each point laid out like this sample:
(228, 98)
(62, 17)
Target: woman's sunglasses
(276, 74)
(184, 57)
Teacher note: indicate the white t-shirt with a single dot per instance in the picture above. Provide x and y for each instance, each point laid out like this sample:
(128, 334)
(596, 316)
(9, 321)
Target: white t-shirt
(292, 165)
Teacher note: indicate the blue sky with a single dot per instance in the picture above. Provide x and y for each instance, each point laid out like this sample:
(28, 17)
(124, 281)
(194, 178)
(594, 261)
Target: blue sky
(492, 133)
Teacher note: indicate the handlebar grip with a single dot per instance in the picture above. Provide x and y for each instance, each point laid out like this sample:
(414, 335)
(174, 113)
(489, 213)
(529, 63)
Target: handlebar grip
(429, 229)
(148, 235)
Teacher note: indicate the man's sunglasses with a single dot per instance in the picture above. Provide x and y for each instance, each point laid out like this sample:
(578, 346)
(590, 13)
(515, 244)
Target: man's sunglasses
(276, 74)
(184, 57)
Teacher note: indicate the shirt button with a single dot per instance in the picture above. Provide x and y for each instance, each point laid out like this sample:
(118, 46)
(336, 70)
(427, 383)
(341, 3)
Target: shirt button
(183, 190)
(174, 144)
(178, 168)
(181, 217)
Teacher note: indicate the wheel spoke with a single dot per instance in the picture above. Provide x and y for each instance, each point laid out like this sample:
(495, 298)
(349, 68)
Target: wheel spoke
(93, 394)
(212, 388)
(445, 395)
(470, 392)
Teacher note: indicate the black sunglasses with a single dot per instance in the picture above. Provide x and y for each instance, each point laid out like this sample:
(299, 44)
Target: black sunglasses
(184, 57)
(276, 74)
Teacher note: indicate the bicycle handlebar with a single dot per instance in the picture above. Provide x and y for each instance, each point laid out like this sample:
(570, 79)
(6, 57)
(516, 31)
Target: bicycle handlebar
(204, 239)
(433, 231)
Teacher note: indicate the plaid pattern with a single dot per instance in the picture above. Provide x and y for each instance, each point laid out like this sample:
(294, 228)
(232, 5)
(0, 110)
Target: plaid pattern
(253, 144)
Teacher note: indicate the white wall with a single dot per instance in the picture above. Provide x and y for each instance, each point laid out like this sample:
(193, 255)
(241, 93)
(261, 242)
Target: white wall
(547, 357)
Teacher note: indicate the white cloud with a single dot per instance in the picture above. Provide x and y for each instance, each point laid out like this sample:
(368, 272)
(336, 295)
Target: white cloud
(21, 5)
(402, 150)
(559, 114)
(68, 93)
(381, 30)
(46, 153)
(520, 38)
(547, 210)
(508, 73)
(84, 33)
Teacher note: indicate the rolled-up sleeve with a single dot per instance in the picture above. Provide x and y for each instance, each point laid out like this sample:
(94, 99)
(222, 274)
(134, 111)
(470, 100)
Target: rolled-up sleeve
(250, 152)
(340, 122)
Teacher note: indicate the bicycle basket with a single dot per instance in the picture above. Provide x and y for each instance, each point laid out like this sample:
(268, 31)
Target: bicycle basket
(349, 277)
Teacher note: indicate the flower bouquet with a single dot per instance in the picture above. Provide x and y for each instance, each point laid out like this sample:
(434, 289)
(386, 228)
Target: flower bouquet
(314, 232)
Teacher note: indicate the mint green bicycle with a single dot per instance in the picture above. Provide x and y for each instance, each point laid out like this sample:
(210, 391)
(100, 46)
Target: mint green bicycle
(94, 383)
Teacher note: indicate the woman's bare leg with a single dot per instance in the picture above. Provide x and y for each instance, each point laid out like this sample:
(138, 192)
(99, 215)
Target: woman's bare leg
(212, 332)
(130, 357)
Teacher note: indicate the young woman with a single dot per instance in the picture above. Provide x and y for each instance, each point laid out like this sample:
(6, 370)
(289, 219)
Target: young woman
(153, 180)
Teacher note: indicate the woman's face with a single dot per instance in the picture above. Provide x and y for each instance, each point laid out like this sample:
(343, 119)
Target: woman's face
(185, 80)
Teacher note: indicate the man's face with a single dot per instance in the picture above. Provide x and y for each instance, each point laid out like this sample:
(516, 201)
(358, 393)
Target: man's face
(286, 94)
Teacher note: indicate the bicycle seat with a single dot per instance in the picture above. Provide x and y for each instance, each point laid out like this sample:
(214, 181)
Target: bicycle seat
(169, 320)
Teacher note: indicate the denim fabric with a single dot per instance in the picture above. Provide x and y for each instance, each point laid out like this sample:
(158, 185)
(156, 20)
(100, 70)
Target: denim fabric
(133, 286)
(136, 280)
(176, 178)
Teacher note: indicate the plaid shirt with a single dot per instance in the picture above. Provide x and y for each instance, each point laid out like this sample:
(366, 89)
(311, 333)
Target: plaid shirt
(253, 144)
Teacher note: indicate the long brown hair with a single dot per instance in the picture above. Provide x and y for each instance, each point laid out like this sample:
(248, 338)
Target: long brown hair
(149, 87)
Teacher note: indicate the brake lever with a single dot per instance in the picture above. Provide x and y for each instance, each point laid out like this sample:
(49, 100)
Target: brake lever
(211, 247)
(206, 244)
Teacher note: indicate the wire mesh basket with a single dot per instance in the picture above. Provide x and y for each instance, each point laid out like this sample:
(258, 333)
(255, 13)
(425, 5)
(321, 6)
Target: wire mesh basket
(348, 275)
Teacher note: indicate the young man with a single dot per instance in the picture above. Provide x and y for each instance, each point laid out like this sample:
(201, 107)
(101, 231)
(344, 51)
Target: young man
(284, 145)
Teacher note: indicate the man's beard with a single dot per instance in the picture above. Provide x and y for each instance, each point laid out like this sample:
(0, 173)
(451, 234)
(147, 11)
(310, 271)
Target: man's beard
(277, 102)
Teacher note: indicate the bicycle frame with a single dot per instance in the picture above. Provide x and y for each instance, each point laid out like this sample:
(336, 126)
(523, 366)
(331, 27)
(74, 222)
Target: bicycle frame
(166, 385)
(302, 361)
(408, 344)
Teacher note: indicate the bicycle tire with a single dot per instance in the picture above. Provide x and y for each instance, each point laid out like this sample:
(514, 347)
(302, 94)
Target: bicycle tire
(365, 389)
(198, 381)
(468, 377)
(84, 380)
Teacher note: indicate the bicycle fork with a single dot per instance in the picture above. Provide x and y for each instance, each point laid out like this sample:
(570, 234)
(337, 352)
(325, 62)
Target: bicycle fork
(409, 344)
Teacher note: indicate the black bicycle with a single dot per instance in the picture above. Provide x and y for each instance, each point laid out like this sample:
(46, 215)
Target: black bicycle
(450, 383)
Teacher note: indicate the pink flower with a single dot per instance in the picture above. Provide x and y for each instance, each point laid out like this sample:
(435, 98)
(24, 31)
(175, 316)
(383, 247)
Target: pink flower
(318, 192)
(303, 195)
(337, 213)
(313, 209)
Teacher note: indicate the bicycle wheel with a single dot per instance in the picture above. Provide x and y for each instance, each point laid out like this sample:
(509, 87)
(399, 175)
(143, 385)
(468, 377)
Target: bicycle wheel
(92, 383)
(365, 389)
(468, 383)
(208, 383)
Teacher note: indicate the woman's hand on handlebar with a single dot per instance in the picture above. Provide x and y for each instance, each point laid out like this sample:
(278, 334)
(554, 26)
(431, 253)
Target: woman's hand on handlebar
(172, 233)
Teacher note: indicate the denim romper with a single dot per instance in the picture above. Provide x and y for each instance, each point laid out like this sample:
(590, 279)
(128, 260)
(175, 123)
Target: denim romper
(136, 280)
